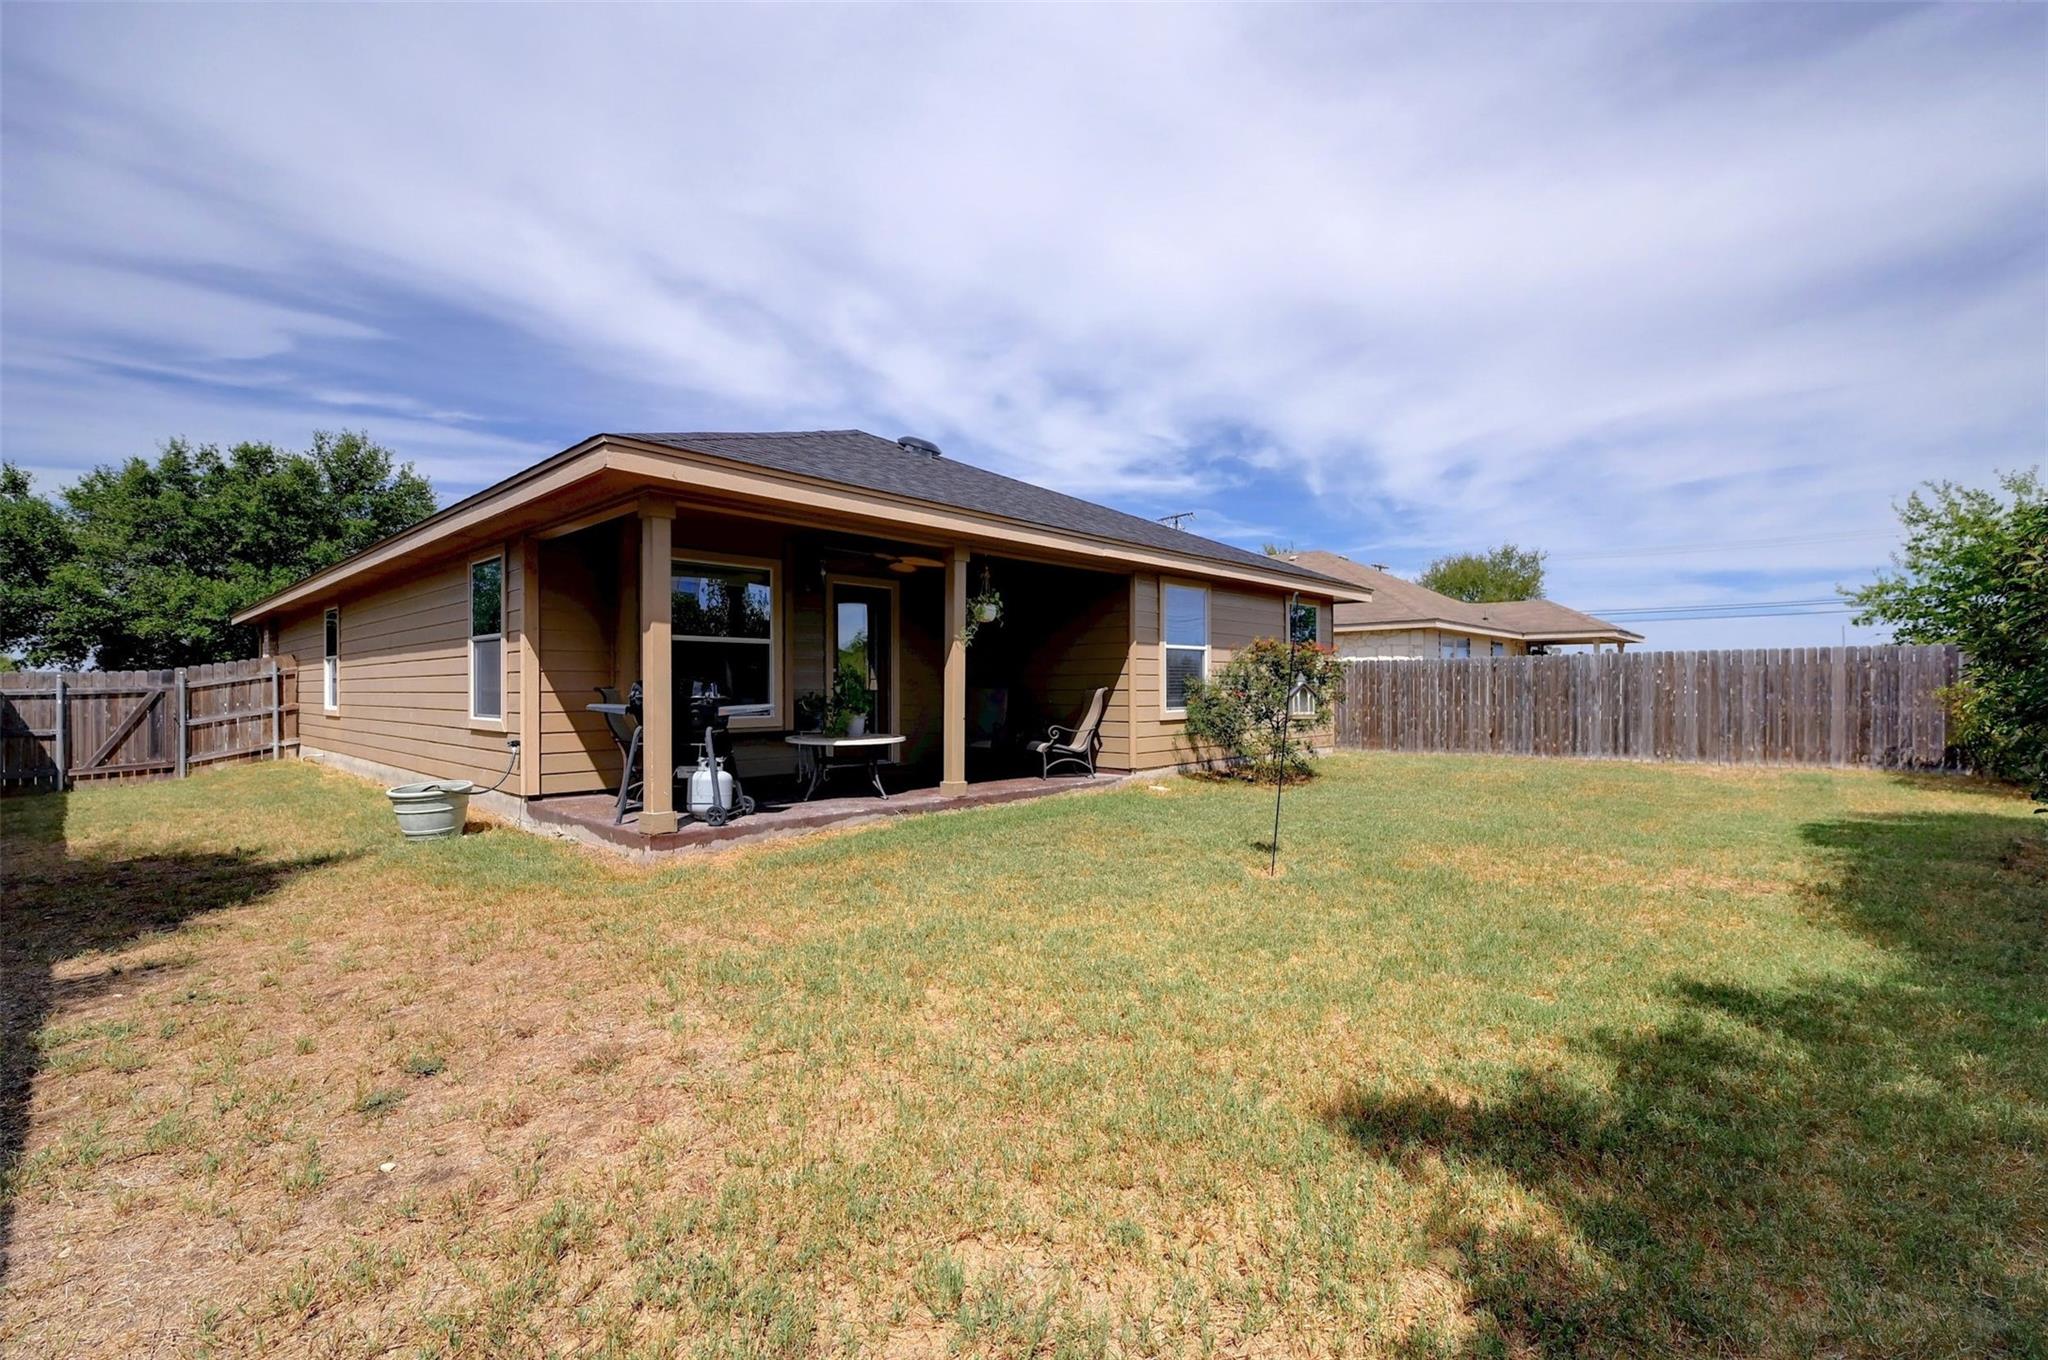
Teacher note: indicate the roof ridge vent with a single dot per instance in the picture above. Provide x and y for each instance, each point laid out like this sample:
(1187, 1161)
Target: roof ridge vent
(910, 443)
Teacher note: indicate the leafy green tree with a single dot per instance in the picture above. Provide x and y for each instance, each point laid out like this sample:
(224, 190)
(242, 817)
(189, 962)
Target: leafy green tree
(164, 553)
(35, 540)
(1506, 573)
(1974, 573)
(1253, 708)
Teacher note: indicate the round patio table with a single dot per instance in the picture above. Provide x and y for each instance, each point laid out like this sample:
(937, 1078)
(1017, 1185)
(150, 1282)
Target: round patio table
(817, 754)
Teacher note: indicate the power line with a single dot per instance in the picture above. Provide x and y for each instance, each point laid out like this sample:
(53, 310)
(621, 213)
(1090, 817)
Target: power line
(1715, 604)
(1747, 614)
(1673, 549)
(1728, 612)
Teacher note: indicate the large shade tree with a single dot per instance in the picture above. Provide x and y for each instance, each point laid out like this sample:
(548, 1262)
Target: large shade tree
(35, 540)
(1504, 573)
(143, 564)
(1974, 573)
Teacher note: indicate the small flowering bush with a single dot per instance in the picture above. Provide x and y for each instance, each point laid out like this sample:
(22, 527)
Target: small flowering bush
(1243, 710)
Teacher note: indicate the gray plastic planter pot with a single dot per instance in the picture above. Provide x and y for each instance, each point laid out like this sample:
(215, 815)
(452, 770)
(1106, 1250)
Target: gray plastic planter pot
(431, 810)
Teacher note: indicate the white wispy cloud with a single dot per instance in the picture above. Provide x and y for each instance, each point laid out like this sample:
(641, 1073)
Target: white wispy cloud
(1420, 279)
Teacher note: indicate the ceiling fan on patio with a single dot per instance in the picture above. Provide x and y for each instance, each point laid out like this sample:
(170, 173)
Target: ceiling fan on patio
(901, 563)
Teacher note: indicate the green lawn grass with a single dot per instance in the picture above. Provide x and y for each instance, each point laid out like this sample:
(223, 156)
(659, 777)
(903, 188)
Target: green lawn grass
(1513, 1058)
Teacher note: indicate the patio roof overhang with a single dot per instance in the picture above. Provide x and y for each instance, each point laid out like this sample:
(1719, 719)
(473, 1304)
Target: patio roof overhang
(607, 476)
(1449, 625)
(1591, 635)
(1550, 637)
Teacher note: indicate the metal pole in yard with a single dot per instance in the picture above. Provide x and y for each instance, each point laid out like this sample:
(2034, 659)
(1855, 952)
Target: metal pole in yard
(1280, 773)
(63, 731)
(178, 685)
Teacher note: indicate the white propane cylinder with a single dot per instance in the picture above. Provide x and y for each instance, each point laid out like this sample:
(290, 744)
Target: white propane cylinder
(698, 799)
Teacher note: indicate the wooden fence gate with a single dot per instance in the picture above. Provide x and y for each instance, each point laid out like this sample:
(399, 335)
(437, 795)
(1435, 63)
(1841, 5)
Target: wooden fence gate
(1874, 706)
(60, 728)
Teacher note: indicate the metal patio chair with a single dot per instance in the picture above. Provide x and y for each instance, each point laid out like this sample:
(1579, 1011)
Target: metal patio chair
(1074, 745)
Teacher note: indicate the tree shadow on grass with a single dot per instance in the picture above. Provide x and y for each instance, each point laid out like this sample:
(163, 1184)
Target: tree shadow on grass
(1951, 782)
(1841, 1168)
(56, 905)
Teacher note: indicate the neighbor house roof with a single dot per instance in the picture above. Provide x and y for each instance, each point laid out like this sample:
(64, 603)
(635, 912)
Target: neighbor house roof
(1540, 620)
(854, 472)
(1398, 603)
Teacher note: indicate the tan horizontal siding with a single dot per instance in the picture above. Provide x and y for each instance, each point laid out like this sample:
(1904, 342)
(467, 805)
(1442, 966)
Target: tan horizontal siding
(1237, 616)
(404, 675)
(405, 656)
(579, 621)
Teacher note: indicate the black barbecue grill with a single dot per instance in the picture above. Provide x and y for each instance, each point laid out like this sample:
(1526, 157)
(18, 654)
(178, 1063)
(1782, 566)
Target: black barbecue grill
(704, 728)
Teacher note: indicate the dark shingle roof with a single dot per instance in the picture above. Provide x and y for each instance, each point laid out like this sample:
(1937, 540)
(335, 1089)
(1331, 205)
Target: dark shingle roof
(872, 463)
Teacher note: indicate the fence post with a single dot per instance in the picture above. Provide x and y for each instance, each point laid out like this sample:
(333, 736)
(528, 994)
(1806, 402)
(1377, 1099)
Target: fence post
(276, 711)
(63, 734)
(184, 732)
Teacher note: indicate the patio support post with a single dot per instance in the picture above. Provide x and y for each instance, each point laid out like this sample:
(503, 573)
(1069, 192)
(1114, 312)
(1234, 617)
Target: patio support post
(657, 720)
(953, 776)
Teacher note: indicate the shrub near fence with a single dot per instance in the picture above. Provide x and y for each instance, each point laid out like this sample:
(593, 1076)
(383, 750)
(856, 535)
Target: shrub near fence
(58, 728)
(1875, 706)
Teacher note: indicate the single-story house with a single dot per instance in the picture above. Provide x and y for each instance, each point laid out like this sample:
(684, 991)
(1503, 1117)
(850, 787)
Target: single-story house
(1407, 621)
(763, 563)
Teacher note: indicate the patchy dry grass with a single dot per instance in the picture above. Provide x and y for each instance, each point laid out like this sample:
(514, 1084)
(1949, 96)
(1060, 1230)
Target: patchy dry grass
(1517, 1058)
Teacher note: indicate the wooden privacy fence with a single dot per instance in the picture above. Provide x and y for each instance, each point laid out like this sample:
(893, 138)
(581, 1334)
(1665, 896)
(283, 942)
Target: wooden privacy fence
(1876, 706)
(58, 728)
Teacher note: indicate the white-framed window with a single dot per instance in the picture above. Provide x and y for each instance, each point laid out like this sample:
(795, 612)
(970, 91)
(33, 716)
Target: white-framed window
(487, 638)
(1185, 612)
(330, 661)
(1454, 647)
(1500, 649)
(1305, 622)
(723, 624)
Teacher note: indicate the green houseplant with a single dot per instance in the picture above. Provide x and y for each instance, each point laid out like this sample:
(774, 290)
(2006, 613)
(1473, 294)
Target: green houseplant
(849, 705)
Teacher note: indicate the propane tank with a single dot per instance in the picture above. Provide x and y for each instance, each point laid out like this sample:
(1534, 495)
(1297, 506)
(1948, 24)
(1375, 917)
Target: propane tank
(699, 798)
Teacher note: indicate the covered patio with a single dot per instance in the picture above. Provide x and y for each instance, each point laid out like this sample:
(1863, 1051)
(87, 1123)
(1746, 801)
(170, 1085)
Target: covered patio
(778, 615)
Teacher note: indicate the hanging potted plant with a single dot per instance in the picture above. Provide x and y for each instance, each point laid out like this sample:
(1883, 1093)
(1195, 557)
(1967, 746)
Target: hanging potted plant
(986, 607)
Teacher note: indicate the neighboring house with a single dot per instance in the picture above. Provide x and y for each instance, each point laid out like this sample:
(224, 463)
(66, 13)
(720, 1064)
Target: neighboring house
(1405, 620)
(761, 562)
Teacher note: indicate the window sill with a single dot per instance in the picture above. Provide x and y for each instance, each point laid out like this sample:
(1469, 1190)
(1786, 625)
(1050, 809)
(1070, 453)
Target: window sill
(487, 725)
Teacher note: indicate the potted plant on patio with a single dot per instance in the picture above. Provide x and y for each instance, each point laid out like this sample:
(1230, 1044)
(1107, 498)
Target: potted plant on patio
(848, 706)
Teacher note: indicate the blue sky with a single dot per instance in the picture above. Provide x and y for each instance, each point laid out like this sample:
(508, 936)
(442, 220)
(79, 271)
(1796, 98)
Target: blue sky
(1686, 296)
